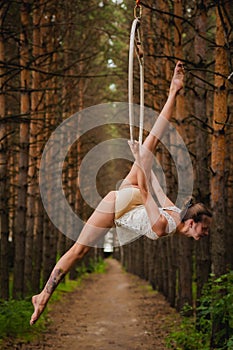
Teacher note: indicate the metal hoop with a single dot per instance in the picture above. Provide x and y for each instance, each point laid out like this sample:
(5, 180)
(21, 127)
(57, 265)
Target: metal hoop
(138, 11)
(136, 36)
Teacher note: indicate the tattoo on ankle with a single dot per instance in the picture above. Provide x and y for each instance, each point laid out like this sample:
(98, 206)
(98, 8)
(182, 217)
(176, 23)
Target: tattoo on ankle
(54, 280)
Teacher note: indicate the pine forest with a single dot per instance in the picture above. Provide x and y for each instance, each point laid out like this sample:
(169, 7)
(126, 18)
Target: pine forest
(59, 58)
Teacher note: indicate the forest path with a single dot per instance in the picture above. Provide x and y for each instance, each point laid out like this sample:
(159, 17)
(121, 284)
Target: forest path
(110, 311)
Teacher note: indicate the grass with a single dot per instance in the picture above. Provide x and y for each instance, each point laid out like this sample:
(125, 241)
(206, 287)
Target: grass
(14, 321)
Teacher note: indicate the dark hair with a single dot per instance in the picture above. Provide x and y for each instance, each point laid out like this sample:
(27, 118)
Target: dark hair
(194, 211)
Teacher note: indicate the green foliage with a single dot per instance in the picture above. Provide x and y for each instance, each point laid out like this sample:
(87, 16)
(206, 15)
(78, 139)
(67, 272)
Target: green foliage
(93, 266)
(14, 320)
(213, 319)
(97, 266)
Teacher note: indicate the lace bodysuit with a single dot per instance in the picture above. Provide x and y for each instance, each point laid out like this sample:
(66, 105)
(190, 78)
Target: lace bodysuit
(134, 222)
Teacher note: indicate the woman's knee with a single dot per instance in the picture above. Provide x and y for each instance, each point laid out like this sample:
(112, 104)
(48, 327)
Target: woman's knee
(111, 196)
(80, 250)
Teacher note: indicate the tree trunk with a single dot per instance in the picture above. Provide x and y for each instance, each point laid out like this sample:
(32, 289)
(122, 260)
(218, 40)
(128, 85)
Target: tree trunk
(38, 246)
(218, 166)
(35, 129)
(185, 245)
(51, 107)
(172, 270)
(229, 241)
(159, 270)
(185, 273)
(201, 136)
(229, 160)
(4, 215)
(39, 110)
(20, 220)
(218, 152)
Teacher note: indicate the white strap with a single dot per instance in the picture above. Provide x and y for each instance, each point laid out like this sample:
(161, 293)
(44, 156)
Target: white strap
(173, 208)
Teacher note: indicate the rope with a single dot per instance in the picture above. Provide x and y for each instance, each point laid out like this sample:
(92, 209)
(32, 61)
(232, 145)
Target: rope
(136, 46)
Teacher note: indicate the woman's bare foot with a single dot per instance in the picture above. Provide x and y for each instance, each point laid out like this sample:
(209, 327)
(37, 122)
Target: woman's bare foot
(39, 301)
(39, 307)
(177, 82)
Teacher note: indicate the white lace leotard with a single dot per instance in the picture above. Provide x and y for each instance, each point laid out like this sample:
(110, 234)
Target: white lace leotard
(135, 222)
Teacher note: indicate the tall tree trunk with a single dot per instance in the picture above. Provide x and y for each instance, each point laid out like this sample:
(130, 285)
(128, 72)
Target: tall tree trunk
(4, 216)
(35, 129)
(185, 245)
(218, 152)
(20, 220)
(48, 39)
(172, 242)
(229, 239)
(39, 109)
(218, 183)
(201, 136)
(69, 108)
(229, 141)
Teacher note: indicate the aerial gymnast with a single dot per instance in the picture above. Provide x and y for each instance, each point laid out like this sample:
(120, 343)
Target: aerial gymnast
(132, 208)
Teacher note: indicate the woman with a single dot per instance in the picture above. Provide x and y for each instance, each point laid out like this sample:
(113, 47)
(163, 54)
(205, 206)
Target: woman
(132, 208)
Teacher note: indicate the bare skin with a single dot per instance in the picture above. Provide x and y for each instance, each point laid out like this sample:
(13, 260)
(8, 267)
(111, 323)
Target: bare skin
(103, 217)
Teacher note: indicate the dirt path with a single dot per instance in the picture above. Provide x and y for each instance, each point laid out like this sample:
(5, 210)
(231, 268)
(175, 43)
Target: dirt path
(111, 311)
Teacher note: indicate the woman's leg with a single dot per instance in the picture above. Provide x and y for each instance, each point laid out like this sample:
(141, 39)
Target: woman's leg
(97, 225)
(159, 128)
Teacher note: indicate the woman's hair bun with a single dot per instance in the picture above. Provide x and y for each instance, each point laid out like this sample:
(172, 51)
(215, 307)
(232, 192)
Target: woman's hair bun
(197, 210)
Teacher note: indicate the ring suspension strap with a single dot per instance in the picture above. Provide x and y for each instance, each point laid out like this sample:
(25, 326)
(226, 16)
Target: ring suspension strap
(136, 46)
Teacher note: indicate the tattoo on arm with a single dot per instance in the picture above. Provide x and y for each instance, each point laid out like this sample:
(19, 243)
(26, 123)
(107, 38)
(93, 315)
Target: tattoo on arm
(54, 280)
